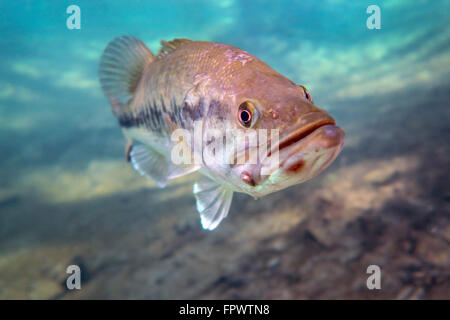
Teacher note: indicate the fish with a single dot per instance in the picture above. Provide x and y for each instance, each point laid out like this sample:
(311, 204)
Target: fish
(209, 108)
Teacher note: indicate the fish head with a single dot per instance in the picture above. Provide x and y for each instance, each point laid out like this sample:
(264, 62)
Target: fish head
(287, 139)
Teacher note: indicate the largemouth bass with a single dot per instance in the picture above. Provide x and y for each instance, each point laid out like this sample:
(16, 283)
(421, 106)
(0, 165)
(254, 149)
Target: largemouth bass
(176, 109)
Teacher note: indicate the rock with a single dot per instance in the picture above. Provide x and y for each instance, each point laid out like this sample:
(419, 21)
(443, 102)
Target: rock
(45, 289)
(410, 293)
(381, 176)
(433, 250)
(273, 262)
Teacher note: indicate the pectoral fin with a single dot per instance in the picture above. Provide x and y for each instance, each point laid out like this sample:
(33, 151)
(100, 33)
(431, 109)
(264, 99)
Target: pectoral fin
(157, 167)
(213, 202)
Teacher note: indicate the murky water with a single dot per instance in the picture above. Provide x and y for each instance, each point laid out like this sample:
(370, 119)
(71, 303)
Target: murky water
(67, 196)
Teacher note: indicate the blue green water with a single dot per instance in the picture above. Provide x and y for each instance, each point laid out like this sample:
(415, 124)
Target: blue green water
(62, 167)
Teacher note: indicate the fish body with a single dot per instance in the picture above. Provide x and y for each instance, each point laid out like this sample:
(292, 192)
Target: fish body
(237, 121)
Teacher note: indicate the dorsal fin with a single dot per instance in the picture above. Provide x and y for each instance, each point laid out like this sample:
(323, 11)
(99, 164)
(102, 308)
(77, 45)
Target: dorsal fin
(121, 67)
(169, 46)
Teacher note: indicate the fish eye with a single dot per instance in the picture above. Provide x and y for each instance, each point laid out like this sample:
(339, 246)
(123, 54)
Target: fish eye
(307, 95)
(245, 114)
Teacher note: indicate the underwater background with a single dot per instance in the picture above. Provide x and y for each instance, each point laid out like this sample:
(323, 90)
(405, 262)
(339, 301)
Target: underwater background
(67, 195)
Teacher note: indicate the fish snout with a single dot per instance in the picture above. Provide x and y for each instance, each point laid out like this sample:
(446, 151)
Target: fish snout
(315, 152)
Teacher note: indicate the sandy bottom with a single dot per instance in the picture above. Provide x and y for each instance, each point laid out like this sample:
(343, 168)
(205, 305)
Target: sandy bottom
(385, 201)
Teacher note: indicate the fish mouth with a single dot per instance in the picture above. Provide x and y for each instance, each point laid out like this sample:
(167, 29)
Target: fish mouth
(301, 133)
(298, 152)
